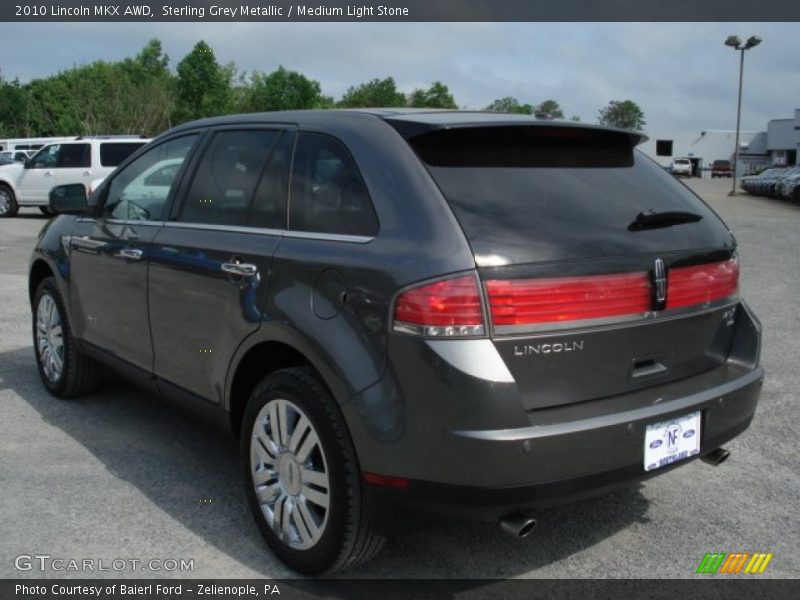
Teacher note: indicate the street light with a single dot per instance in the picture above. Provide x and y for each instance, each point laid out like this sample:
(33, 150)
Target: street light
(734, 42)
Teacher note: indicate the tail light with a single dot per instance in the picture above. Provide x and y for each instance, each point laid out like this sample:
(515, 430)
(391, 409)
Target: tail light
(531, 301)
(701, 284)
(447, 308)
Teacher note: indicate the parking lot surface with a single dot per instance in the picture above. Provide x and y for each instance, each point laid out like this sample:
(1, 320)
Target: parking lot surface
(121, 475)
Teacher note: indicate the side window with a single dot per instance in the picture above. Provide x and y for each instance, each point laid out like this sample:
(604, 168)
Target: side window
(46, 157)
(327, 193)
(268, 209)
(113, 153)
(227, 176)
(141, 189)
(73, 156)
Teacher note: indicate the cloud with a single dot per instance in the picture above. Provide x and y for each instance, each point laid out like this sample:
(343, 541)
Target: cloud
(681, 74)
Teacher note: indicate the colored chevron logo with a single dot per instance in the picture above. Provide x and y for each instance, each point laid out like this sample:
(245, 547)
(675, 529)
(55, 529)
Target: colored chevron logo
(734, 563)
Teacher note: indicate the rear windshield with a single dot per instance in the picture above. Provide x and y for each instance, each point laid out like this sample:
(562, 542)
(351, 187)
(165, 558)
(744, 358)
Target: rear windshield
(113, 153)
(529, 194)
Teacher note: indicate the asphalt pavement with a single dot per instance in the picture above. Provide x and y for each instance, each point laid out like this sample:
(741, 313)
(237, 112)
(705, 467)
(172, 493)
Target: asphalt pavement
(122, 476)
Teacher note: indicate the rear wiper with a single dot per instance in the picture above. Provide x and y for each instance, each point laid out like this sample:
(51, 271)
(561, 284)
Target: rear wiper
(656, 220)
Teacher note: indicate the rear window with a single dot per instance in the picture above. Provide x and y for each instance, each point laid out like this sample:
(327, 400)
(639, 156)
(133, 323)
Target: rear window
(528, 194)
(113, 153)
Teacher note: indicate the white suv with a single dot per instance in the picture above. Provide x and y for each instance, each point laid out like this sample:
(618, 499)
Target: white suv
(82, 160)
(682, 166)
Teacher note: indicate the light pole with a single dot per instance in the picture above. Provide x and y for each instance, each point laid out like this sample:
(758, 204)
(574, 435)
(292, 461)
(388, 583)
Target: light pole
(734, 42)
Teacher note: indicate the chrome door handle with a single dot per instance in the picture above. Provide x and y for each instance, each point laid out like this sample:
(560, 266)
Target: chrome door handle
(130, 253)
(243, 269)
(48, 173)
(87, 172)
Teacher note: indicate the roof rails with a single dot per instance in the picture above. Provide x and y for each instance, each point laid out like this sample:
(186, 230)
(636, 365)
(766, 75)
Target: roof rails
(132, 136)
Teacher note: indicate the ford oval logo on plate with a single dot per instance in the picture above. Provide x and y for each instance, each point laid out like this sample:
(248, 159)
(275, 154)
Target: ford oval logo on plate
(688, 433)
(655, 444)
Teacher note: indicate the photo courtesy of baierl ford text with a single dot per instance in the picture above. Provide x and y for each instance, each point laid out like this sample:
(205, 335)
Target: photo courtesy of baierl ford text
(412, 299)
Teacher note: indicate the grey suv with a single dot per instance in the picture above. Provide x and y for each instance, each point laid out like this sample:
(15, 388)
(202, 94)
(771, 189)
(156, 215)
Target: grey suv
(470, 313)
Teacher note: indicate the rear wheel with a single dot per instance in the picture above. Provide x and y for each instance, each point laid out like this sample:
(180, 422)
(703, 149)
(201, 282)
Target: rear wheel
(8, 202)
(302, 476)
(64, 370)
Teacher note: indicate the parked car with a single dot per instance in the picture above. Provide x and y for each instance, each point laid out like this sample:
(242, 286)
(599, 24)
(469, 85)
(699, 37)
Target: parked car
(789, 186)
(721, 168)
(78, 161)
(760, 184)
(466, 313)
(682, 167)
(11, 156)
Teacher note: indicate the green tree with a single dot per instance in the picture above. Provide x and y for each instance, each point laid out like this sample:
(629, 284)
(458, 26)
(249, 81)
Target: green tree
(375, 93)
(509, 105)
(283, 90)
(575, 118)
(622, 113)
(551, 107)
(12, 108)
(436, 96)
(203, 86)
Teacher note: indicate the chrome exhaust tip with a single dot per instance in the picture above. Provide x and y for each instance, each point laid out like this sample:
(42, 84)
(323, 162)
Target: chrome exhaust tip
(716, 457)
(518, 525)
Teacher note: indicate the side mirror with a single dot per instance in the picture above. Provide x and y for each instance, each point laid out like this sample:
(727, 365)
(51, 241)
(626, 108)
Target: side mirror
(27, 163)
(68, 199)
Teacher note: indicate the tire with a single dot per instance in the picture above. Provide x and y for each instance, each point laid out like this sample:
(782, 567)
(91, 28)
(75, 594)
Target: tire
(64, 370)
(46, 211)
(8, 202)
(310, 539)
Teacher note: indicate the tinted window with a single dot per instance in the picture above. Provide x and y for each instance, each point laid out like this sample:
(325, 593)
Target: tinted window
(528, 196)
(73, 156)
(113, 153)
(328, 194)
(227, 176)
(140, 190)
(268, 208)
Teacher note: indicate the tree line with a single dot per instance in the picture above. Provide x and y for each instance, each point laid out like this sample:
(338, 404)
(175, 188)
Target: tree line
(142, 95)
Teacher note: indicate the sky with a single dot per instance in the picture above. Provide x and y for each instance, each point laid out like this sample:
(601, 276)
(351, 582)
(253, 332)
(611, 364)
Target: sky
(680, 74)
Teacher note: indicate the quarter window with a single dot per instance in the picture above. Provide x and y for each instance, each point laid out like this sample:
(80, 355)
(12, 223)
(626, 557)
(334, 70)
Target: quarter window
(227, 176)
(140, 191)
(328, 194)
(113, 153)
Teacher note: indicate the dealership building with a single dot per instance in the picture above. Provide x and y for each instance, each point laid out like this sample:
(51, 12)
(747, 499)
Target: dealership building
(777, 146)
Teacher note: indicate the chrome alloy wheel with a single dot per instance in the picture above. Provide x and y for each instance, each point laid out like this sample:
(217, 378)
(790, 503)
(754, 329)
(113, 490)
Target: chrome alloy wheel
(49, 338)
(290, 474)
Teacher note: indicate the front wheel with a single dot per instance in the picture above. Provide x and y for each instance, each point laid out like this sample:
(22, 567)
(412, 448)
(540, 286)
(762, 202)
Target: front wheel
(46, 211)
(302, 477)
(8, 202)
(64, 370)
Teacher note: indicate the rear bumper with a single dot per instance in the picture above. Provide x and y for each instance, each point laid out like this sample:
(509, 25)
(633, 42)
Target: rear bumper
(457, 431)
(726, 412)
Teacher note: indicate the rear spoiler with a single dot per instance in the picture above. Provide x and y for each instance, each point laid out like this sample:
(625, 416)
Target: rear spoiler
(409, 128)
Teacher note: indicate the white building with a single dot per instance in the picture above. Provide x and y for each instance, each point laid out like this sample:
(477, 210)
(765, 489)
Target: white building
(779, 145)
(704, 147)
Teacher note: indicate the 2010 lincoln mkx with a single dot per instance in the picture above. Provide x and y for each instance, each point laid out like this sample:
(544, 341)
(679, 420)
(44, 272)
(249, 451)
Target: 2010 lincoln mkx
(470, 313)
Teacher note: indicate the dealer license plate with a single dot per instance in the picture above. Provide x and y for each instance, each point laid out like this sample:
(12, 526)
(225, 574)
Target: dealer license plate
(670, 441)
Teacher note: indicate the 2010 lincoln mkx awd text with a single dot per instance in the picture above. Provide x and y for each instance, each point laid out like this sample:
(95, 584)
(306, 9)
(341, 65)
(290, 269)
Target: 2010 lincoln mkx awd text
(470, 313)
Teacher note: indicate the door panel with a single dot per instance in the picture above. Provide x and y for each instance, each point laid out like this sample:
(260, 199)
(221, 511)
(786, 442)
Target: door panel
(108, 278)
(200, 307)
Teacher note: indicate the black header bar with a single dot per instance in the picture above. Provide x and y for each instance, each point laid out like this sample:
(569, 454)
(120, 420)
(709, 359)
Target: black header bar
(399, 10)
